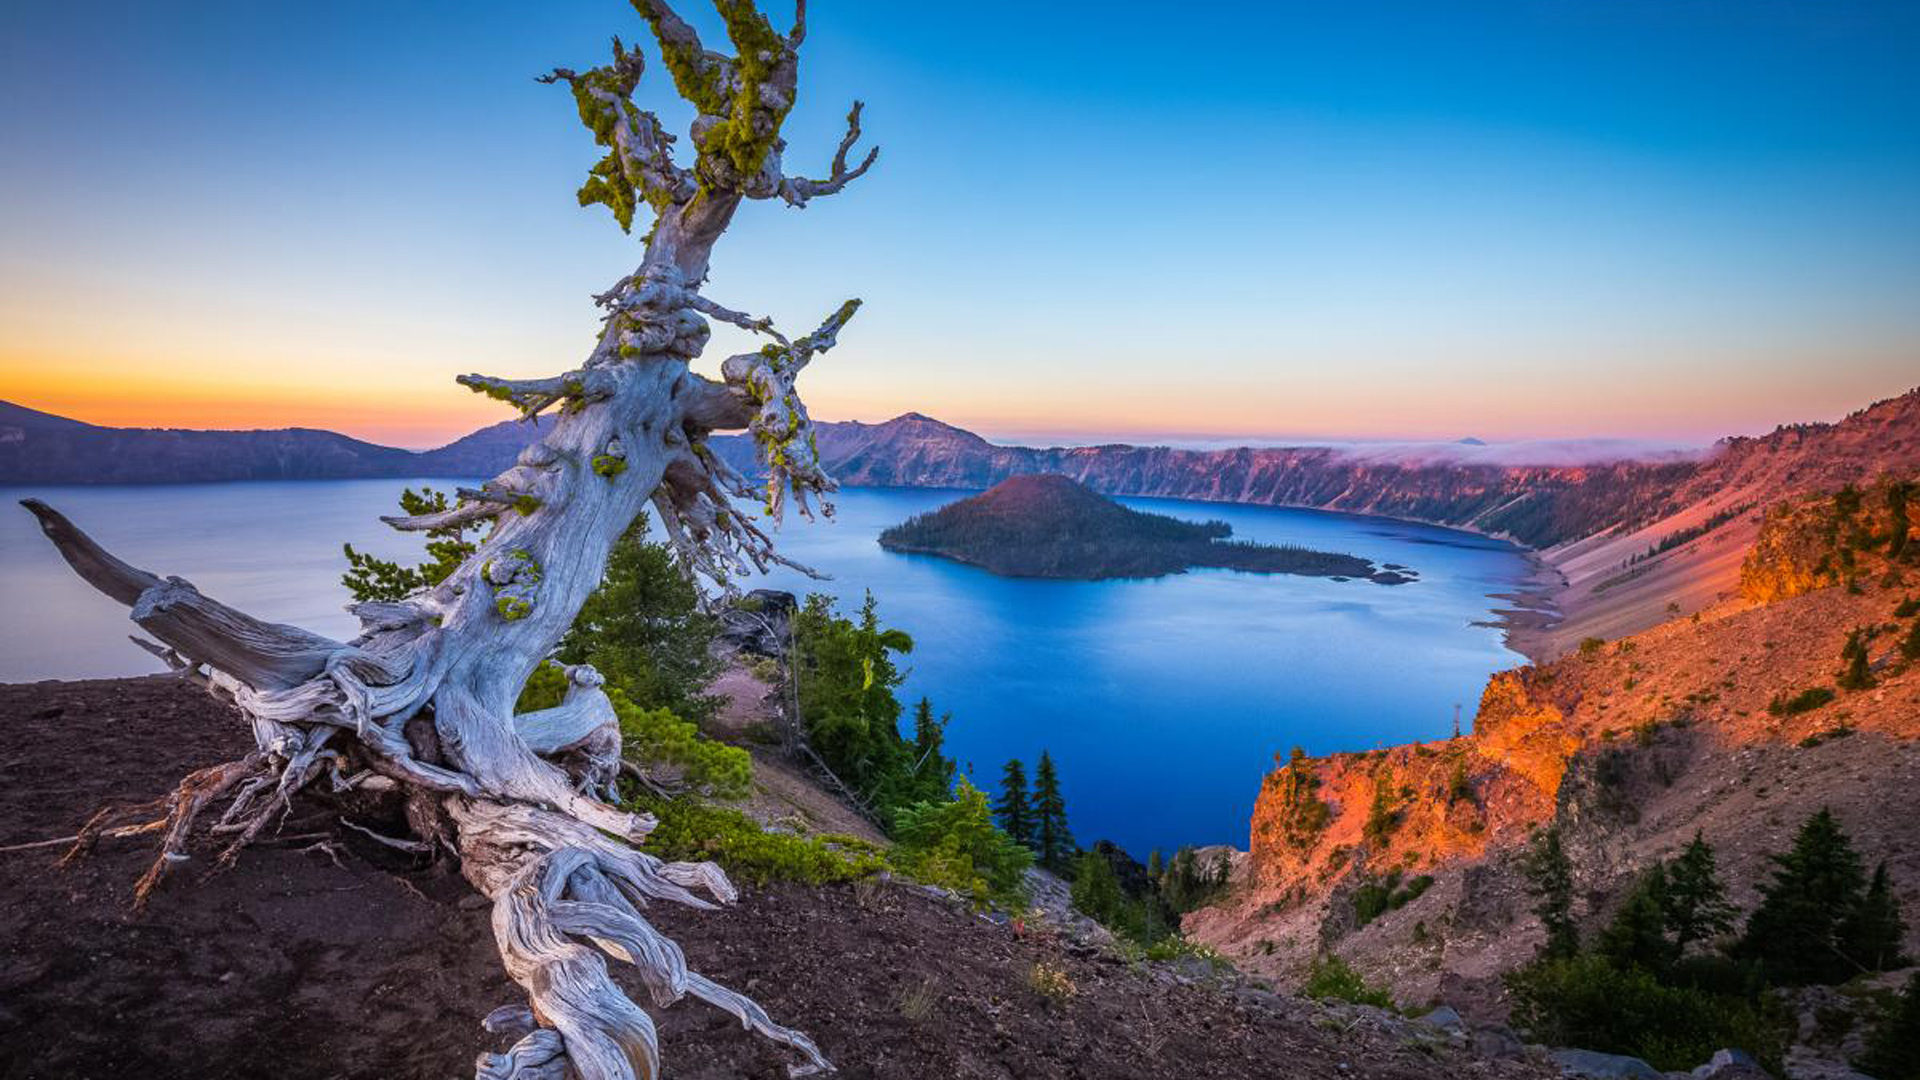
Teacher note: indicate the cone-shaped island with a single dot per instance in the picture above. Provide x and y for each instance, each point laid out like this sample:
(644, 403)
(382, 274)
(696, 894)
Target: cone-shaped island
(1053, 527)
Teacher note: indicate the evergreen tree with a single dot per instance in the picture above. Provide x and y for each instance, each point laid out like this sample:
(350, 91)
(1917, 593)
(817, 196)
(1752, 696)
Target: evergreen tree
(1870, 934)
(932, 769)
(1854, 674)
(1013, 810)
(1550, 881)
(643, 630)
(1893, 1051)
(1637, 936)
(1696, 904)
(1458, 786)
(846, 679)
(1052, 840)
(1910, 645)
(1155, 866)
(1097, 893)
(369, 578)
(1794, 933)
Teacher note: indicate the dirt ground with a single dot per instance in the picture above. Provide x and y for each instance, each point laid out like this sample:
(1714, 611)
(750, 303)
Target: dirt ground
(307, 961)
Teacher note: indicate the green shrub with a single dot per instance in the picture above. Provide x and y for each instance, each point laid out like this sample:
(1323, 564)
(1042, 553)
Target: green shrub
(655, 735)
(1804, 701)
(693, 831)
(1587, 1002)
(956, 846)
(1590, 647)
(1893, 1050)
(1376, 898)
(1330, 979)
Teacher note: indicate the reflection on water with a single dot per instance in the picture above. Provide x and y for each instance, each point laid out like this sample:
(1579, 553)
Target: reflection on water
(1162, 701)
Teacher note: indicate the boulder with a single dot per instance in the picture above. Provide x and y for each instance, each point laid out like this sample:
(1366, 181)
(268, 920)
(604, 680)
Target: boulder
(1599, 1066)
(1495, 1041)
(1446, 1019)
(757, 622)
(1731, 1065)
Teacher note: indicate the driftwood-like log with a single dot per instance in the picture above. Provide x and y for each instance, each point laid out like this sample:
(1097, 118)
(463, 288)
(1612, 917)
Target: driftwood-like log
(422, 701)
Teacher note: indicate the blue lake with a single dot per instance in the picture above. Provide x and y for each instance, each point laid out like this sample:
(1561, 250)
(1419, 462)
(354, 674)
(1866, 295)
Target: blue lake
(1162, 702)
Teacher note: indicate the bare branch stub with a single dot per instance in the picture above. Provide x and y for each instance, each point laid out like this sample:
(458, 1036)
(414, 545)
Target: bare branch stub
(422, 702)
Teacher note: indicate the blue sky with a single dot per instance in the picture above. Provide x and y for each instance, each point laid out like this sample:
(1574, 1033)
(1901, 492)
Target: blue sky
(1527, 219)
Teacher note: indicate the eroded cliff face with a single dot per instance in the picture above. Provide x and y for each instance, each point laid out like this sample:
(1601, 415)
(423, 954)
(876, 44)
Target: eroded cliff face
(1628, 747)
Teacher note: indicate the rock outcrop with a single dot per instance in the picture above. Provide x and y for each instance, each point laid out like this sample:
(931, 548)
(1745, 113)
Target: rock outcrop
(1404, 860)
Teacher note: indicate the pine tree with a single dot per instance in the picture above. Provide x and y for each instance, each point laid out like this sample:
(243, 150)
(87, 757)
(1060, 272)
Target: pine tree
(1013, 811)
(1794, 931)
(1910, 645)
(1637, 936)
(1155, 866)
(1870, 934)
(1855, 674)
(1696, 905)
(1052, 840)
(1893, 1051)
(932, 769)
(1550, 881)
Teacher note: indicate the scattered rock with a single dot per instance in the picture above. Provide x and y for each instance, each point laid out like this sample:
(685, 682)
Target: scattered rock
(1592, 1063)
(1732, 1065)
(1497, 1041)
(1445, 1018)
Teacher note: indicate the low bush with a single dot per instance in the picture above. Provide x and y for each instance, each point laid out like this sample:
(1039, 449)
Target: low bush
(693, 831)
(1330, 979)
(955, 845)
(1586, 1001)
(1804, 701)
(1376, 898)
(657, 735)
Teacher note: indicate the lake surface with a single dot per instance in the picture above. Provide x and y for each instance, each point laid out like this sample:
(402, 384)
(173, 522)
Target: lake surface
(1162, 702)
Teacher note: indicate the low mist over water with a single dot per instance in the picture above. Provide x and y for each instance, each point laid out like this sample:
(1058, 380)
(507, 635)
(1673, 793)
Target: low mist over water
(1162, 701)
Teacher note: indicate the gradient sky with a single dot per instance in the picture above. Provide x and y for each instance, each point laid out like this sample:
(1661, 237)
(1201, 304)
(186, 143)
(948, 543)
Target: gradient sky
(1536, 218)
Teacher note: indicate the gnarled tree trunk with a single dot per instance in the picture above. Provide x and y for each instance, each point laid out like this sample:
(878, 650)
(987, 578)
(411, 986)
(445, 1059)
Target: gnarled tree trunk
(421, 704)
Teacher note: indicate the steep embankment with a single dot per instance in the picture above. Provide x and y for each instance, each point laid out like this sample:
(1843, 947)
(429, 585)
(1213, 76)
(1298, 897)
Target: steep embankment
(1630, 747)
(375, 964)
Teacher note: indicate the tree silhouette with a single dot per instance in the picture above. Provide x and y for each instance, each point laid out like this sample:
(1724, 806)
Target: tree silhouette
(1013, 810)
(1053, 841)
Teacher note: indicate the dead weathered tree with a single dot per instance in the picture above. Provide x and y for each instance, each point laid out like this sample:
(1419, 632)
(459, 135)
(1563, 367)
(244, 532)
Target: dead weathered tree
(420, 706)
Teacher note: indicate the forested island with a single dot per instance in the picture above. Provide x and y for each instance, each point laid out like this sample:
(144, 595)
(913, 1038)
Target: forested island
(1051, 526)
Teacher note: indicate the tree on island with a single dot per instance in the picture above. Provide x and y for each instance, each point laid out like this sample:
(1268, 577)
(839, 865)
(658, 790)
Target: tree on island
(416, 714)
(1052, 840)
(1012, 809)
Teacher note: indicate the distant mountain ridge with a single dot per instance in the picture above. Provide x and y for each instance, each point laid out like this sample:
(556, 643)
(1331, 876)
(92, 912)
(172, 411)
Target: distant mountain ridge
(1620, 532)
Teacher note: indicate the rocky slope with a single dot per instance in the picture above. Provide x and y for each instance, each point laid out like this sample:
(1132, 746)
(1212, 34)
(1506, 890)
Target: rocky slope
(1630, 747)
(373, 964)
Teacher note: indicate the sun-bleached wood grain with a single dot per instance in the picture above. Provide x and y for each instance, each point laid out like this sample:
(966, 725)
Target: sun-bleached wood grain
(421, 702)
